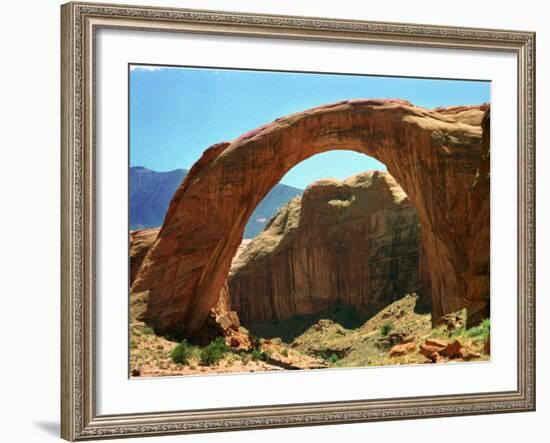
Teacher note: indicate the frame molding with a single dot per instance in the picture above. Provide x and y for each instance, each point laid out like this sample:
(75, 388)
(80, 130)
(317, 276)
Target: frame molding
(79, 21)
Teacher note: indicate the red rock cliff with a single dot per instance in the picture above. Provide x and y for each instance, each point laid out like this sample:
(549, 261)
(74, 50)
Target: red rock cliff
(140, 242)
(354, 242)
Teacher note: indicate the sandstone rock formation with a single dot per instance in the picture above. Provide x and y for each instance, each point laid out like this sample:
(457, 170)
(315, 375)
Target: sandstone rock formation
(433, 154)
(140, 242)
(436, 350)
(402, 349)
(354, 242)
(223, 322)
(479, 250)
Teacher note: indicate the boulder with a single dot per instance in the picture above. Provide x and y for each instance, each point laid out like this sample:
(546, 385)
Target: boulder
(402, 349)
(453, 350)
(437, 343)
(435, 350)
(432, 349)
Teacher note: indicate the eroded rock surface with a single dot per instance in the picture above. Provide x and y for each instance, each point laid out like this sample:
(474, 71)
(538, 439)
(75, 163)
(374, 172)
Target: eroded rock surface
(479, 250)
(433, 154)
(353, 242)
(140, 242)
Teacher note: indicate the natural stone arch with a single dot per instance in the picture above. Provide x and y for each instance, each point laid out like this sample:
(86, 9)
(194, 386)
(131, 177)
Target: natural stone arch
(433, 154)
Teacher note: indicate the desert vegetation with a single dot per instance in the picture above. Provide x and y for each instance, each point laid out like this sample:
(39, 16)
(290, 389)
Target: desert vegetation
(325, 343)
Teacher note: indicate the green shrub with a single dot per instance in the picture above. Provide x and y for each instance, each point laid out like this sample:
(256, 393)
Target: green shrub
(386, 328)
(213, 352)
(176, 334)
(148, 330)
(182, 352)
(457, 332)
(481, 331)
(284, 352)
(257, 354)
(328, 355)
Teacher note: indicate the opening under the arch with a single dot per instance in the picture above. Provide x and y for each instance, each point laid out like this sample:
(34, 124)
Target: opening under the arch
(342, 251)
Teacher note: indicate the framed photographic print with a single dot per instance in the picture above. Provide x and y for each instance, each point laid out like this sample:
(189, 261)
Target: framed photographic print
(282, 221)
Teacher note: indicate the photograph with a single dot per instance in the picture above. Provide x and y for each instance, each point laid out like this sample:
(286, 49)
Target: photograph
(283, 220)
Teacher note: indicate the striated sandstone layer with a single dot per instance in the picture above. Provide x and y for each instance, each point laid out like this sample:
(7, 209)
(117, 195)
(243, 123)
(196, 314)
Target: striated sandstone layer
(433, 154)
(354, 242)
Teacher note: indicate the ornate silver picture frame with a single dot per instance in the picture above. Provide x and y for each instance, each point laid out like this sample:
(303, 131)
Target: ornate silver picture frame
(80, 24)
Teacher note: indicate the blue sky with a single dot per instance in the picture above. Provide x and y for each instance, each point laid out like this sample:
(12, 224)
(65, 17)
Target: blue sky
(176, 113)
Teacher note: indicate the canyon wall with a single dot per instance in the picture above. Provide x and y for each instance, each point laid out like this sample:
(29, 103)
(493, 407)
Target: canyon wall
(478, 277)
(353, 242)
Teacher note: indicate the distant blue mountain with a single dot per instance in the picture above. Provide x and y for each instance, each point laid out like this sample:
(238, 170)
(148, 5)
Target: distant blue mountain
(268, 207)
(150, 195)
(151, 192)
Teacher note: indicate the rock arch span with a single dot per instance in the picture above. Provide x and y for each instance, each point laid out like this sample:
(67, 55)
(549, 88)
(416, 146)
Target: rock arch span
(433, 154)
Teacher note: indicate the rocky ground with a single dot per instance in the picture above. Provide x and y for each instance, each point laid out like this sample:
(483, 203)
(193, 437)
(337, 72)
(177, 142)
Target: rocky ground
(151, 355)
(397, 335)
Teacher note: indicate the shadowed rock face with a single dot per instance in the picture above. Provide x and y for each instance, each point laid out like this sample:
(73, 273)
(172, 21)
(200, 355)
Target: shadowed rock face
(433, 154)
(354, 242)
(479, 252)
